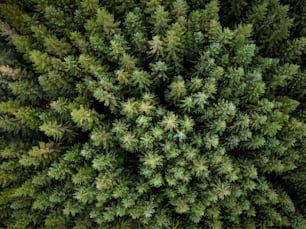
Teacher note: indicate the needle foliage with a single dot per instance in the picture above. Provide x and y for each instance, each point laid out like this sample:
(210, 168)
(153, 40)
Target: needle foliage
(152, 114)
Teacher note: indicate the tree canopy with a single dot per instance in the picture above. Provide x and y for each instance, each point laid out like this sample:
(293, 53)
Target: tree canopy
(152, 114)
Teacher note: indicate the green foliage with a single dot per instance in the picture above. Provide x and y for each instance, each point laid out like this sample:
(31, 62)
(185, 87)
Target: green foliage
(58, 131)
(84, 118)
(152, 114)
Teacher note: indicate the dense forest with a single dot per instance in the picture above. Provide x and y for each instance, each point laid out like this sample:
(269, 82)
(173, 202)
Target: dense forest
(153, 114)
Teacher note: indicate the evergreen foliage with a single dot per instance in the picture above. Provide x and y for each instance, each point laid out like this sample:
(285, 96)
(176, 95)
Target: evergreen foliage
(152, 114)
